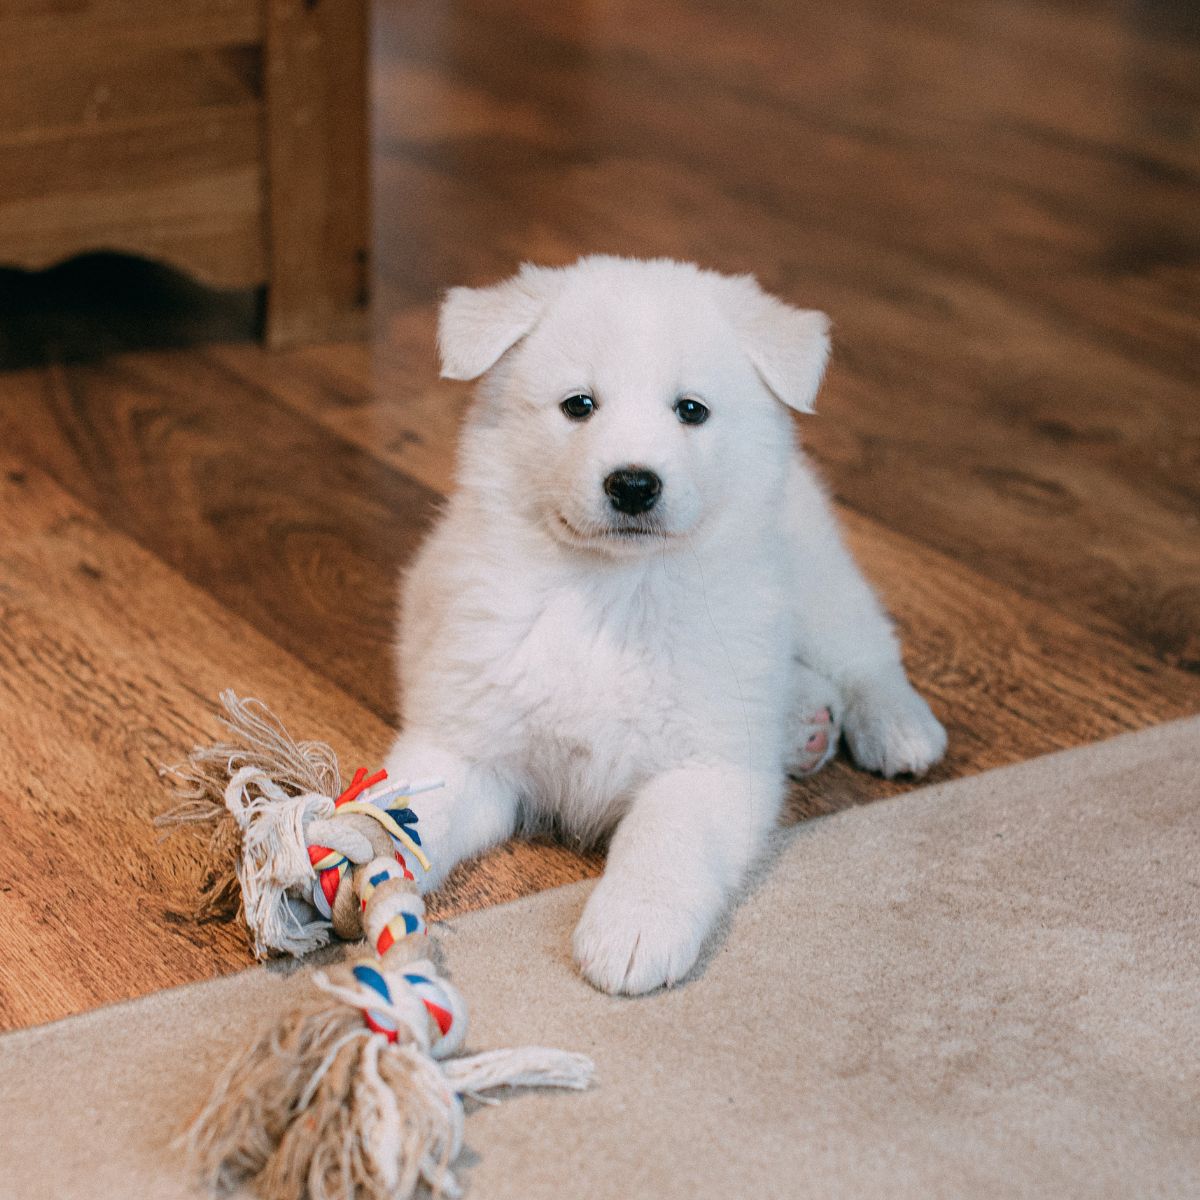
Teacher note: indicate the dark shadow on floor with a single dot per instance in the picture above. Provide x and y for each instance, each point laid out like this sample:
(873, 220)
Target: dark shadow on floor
(99, 304)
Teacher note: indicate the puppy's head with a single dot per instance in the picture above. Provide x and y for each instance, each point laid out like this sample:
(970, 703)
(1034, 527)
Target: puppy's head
(628, 403)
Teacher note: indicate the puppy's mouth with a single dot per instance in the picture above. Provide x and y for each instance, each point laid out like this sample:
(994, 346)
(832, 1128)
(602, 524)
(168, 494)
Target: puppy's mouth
(624, 531)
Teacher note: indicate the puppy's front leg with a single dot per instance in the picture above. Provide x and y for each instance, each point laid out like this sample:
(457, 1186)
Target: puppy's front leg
(474, 809)
(675, 859)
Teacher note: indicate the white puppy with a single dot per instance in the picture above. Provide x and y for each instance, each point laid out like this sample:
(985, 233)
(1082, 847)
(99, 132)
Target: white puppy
(636, 614)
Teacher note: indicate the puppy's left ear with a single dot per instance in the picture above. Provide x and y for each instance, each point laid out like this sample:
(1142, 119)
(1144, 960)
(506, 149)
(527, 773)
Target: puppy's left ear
(788, 346)
(476, 326)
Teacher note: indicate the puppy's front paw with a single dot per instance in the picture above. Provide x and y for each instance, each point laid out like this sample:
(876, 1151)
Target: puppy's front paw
(632, 942)
(890, 729)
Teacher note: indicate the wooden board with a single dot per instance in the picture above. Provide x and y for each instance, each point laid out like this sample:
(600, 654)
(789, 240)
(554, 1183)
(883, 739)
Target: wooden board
(292, 529)
(227, 138)
(87, 33)
(183, 187)
(63, 94)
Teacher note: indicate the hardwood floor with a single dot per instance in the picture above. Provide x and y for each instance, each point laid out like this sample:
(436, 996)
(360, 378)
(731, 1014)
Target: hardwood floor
(996, 203)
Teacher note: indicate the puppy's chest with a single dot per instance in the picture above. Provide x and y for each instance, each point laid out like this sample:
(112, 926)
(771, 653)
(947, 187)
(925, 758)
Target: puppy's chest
(582, 663)
(590, 682)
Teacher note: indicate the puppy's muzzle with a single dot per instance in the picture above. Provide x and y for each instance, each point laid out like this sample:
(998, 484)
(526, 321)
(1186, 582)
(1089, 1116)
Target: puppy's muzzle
(633, 490)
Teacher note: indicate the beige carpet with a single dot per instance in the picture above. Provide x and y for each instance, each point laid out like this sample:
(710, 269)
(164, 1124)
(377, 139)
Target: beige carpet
(989, 988)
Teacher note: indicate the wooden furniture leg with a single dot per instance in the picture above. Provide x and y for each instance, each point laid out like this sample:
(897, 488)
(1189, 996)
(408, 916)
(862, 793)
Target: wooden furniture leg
(317, 180)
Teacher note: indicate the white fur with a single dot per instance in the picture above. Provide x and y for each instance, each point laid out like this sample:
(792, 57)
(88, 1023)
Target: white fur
(653, 685)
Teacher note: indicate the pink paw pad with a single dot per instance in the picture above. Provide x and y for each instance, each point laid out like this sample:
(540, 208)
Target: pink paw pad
(819, 743)
(819, 740)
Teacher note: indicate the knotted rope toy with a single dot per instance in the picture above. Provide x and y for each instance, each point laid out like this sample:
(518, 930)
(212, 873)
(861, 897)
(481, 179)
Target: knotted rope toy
(352, 1095)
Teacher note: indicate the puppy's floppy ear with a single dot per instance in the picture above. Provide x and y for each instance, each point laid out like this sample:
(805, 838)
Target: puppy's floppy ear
(477, 325)
(788, 346)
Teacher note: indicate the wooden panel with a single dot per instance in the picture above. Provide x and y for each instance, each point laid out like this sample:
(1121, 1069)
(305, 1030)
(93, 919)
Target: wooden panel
(111, 663)
(61, 95)
(186, 188)
(317, 155)
(1010, 677)
(34, 33)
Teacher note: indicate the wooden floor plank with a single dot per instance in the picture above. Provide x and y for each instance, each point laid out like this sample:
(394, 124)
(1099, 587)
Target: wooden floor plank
(292, 528)
(385, 397)
(111, 667)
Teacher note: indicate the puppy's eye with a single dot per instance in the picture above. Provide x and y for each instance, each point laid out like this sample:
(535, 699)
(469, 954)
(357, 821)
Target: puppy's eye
(690, 411)
(579, 407)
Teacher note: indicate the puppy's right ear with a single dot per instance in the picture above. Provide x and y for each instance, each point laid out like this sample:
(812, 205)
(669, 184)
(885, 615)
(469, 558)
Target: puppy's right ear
(477, 325)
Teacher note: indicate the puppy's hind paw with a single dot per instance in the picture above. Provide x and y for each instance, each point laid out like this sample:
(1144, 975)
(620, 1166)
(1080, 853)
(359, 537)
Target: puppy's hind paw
(890, 729)
(816, 742)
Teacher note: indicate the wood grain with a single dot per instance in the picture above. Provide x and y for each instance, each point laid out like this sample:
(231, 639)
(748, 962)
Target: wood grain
(63, 94)
(91, 32)
(225, 137)
(293, 529)
(384, 396)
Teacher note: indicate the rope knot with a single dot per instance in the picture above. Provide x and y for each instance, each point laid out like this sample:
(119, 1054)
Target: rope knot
(331, 863)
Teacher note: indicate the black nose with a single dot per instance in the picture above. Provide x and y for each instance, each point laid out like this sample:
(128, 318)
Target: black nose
(633, 490)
